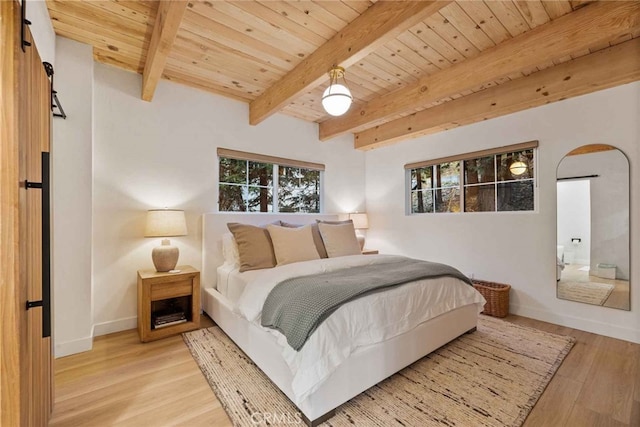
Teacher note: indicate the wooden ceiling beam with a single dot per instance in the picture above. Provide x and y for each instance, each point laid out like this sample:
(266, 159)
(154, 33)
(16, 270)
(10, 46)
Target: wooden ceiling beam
(603, 69)
(168, 18)
(597, 22)
(380, 23)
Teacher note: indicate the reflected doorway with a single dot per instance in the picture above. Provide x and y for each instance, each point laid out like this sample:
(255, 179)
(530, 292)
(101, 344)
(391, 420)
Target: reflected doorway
(592, 252)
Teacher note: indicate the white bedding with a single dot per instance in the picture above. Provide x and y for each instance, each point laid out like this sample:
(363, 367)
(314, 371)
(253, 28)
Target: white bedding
(364, 321)
(231, 282)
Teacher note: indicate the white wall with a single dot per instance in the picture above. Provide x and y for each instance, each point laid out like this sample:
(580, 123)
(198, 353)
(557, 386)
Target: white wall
(515, 248)
(71, 184)
(71, 189)
(574, 220)
(42, 30)
(163, 153)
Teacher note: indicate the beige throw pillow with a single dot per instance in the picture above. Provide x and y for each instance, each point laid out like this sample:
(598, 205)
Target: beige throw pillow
(317, 238)
(293, 244)
(339, 239)
(254, 246)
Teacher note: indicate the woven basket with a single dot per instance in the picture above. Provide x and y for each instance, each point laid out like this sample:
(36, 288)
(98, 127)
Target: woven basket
(497, 296)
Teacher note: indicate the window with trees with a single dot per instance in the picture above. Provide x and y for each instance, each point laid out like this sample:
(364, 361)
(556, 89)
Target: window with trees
(256, 183)
(495, 180)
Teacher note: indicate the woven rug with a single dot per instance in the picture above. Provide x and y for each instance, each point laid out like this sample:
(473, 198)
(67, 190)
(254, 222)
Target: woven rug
(589, 292)
(491, 377)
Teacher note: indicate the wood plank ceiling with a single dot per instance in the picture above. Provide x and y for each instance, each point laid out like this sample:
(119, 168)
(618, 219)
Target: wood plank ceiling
(239, 49)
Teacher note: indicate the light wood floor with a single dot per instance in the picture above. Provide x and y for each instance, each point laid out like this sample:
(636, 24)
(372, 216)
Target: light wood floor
(619, 297)
(126, 383)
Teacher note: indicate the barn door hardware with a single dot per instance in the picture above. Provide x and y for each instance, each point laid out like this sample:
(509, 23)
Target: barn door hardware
(31, 184)
(34, 304)
(45, 302)
(23, 26)
(55, 102)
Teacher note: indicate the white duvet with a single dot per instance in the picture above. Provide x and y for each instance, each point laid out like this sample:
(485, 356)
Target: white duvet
(364, 321)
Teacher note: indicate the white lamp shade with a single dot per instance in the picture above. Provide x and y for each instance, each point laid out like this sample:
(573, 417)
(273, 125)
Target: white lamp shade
(360, 220)
(518, 168)
(336, 99)
(165, 223)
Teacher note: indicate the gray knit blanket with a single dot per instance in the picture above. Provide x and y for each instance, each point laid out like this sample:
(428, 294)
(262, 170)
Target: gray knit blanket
(297, 306)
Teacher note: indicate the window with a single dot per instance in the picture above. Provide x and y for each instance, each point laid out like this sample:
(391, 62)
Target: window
(248, 183)
(436, 188)
(494, 180)
(298, 190)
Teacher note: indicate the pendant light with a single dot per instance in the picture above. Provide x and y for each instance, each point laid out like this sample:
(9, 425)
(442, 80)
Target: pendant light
(518, 168)
(337, 98)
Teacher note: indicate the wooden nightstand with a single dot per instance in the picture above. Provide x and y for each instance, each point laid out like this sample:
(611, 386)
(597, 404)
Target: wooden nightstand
(162, 293)
(369, 252)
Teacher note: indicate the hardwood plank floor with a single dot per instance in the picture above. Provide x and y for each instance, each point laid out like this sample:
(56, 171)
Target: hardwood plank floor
(124, 382)
(596, 385)
(127, 383)
(619, 297)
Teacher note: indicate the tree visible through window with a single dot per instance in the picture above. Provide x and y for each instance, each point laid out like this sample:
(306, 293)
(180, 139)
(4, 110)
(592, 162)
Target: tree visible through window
(249, 186)
(298, 190)
(500, 182)
(436, 188)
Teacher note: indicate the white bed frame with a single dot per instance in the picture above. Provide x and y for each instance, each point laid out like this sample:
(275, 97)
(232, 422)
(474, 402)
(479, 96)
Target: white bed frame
(363, 369)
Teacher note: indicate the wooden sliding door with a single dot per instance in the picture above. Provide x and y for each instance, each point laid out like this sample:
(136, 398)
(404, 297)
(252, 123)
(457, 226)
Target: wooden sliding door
(35, 135)
(13, 341)
(25, 131)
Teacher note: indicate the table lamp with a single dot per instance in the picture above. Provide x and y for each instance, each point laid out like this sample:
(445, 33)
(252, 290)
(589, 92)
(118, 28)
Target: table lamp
(165, 223)
(360, 222)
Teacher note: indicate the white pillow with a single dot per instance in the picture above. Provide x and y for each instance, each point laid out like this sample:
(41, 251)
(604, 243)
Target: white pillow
(230, 250)
(339, 239)
(292, 244)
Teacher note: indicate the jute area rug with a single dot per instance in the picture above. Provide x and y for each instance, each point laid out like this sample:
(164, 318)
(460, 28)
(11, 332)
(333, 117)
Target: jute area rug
(588, 292)
(491, 377)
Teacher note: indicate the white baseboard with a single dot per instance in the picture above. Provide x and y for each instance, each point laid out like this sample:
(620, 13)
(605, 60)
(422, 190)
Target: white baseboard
(115, 326)
(583, 324)
(85, 344)
(72, 347)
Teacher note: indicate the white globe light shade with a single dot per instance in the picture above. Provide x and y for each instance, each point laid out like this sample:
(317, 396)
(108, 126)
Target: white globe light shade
(518, 168)
(336, 99)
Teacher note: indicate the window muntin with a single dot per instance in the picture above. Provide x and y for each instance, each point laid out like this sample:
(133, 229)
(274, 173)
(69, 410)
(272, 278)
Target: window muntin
(481, 184)
(249, 186)
(436, 188)
(298, 190)
(245, 186)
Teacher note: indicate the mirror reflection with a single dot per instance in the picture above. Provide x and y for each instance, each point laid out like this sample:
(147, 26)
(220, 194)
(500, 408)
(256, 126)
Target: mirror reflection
(592, 259)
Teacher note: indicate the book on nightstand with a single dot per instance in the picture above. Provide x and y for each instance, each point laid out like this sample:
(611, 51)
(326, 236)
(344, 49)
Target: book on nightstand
(164, 325)
(164, 320)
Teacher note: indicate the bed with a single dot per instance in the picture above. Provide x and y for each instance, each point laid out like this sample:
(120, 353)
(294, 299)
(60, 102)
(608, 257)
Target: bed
(330, 368)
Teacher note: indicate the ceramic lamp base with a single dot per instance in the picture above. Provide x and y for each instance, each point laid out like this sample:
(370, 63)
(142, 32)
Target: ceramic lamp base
(360, 240)
(165, 257)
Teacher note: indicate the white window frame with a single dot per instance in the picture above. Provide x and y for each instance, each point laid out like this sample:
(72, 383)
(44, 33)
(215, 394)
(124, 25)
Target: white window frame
(276, 162)
(462, 158)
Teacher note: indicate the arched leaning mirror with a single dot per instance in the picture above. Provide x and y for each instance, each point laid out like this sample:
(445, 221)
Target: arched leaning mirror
(592, 262)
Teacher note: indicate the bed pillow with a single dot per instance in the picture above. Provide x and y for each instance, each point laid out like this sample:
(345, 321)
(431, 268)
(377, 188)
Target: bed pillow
(339, 239)
(317, 238)
(293, 244)
(346, 221)
(230, 250)
(255, 248)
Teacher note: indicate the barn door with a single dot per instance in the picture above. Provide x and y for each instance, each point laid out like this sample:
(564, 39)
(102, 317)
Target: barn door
(26, 378)
(36, 123)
